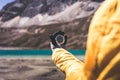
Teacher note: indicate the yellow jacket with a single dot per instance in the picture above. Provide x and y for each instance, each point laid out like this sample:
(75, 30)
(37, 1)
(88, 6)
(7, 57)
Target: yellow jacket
(102, 60)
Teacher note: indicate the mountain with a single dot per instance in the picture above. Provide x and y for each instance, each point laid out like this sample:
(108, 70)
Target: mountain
(28, 23)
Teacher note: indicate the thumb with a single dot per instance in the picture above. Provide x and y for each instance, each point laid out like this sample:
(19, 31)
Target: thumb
(51, 46)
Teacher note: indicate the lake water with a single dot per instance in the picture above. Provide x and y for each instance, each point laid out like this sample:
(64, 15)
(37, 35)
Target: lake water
(35, 53)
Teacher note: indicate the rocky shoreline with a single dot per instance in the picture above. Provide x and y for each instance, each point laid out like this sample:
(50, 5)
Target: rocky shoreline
(29, 69)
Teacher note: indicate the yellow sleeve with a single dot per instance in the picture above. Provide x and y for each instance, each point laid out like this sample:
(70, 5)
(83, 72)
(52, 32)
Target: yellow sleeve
(67, 63)
(103, 45)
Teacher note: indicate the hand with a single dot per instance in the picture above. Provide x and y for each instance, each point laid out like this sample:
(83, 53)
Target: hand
(58, 40)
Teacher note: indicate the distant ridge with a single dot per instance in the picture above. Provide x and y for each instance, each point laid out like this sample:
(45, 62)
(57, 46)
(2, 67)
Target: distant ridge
(28, 23)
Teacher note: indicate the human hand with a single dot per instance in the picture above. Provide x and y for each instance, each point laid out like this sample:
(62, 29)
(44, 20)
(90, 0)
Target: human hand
(58, 40)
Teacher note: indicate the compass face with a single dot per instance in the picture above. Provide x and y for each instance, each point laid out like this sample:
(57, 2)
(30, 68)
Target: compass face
(60, 39)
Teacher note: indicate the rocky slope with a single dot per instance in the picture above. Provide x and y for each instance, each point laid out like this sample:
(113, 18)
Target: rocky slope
(28, 23)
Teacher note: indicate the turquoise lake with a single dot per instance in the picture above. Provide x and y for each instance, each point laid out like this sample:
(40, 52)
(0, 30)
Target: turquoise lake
(35, 52)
